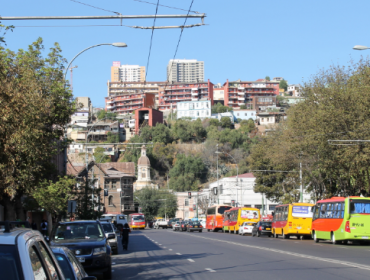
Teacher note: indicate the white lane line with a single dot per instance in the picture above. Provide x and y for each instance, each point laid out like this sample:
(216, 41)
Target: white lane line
(210, 270)
(113, 263)
(296, 242)
(160, 244)
(156, 242)
(314, 258)
(169, 249)
(190, 260)
(181, 254)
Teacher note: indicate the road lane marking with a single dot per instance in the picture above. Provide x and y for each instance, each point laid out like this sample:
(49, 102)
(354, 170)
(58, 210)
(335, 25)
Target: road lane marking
(190, 260)
(164, 247)
(160, 244)
(314, 258)
(169, 249)
(178, 254)
(210, 270)
(113, 263)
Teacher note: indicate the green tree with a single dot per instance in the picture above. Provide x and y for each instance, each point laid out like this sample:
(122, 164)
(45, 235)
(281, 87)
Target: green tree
(219, 108)
(99, 155)
(225, 122)
(112, 137)
(197, 131)
(283, 85)
(247, 125)
(267, 78)
(214, 122)
(182, 130)
(35, 105)
(161, 134)
(243, 107)
(187, 173)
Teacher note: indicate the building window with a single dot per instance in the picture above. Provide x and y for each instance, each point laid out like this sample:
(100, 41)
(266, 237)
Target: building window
(110, 201)
(186, 202)
(245, 114)
(258, 206)
(106, 184)
(272, 207)
(237, 114)
(143, 173)
(114, 184)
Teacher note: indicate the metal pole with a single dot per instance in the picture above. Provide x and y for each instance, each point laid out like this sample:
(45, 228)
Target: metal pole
(300, 177)
(218, 187)
(104, 17)
(263, 206)
(197, 203)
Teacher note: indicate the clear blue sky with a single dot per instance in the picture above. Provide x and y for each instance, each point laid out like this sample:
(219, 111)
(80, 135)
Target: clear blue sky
(244, 39)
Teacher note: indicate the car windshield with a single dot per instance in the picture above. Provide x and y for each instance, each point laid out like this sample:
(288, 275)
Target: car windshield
(9, 263)
(75, 231)
(138, 218)
(107, 227)
(65, 266)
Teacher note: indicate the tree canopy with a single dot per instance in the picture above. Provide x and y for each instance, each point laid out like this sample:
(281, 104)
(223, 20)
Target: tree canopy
(283, 85)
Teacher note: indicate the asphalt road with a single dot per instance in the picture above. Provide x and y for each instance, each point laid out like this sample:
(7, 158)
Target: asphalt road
(165, 254)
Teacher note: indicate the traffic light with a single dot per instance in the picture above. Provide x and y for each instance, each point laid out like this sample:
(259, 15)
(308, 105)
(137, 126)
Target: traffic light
(189, 194)
(194, 207)
(233, 203)
(140, 210)
(105, 192)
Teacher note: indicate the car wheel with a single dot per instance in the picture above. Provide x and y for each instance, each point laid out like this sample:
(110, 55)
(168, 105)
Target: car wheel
(258, 233)
(115, 252)
(252, 234)
(108, 273)
(223, 230)
(270, 235)
(200, 231)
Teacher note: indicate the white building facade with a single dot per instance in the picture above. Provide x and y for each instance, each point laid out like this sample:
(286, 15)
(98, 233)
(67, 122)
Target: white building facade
(194, 109)
(185, 70)
(244, 114)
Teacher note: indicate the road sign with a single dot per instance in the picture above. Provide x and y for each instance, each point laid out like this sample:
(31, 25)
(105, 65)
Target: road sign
(72, 205)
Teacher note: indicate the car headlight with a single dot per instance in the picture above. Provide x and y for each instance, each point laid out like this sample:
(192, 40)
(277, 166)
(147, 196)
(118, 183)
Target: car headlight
(100, 250)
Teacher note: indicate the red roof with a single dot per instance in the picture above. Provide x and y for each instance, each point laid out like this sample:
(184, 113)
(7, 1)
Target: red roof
(336, 198)
(245, 175)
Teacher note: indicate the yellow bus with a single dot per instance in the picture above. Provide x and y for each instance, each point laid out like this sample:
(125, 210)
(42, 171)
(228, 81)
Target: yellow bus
(292, 220)
(239, 215)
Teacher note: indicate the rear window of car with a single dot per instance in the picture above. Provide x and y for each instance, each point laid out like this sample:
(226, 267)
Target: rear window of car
(266, 224)
(9, 263)
(107, 227)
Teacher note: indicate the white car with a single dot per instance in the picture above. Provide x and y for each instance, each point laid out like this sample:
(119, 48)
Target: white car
(246, 228)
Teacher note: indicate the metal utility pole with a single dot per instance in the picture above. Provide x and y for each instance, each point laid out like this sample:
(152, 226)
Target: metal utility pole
(197, 203)
(71, 70)
(300, 177)
(218, 187)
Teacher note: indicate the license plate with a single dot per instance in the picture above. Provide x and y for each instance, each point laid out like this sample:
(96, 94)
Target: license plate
(268, 228)
(196, 226)
(81, 260)
(365, 237)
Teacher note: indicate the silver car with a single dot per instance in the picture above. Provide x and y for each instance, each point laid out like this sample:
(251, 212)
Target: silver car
(109, 228)
(176, 226)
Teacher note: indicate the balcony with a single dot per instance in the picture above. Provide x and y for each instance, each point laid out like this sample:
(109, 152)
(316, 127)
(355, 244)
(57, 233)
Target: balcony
(194, 93)
(241, 88)
(110, 101)
(111, 106)
(194, 99)
(241, 98)
(233, 97)
(241, 93)
(231, 102)
(194, 89)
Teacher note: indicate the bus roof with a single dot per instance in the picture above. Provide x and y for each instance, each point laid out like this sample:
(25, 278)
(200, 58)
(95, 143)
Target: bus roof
(296, 204)
(338, 198)
(219, 205)
(136, 214)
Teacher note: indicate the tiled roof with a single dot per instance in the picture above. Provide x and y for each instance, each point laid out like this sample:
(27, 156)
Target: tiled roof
(111, 168)
(245, 175)
(75, 168)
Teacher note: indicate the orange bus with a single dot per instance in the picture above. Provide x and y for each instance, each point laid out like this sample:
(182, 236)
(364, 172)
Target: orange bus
(136, 221)
(239, 215)
(342, 219)
(215, 215)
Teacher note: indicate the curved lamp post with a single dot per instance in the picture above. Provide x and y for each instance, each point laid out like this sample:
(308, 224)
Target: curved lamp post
(360, 48)
(118, 45)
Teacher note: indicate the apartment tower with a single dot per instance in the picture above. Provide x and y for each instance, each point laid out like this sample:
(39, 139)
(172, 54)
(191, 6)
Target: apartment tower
(127, 73)
(185, 71)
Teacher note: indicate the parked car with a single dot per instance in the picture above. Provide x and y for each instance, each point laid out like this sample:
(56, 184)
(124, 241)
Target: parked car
(87, 240)
(25, 254)
(183, 225)
(194, 226)
(109, 229)
(71, 267)
(176, 226)
(203, 223)
(262, 228)
(246, 228)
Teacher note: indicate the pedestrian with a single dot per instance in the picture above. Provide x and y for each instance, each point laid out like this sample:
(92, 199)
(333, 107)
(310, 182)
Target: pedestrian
(124, 233)
(44, 227)
(34, 225)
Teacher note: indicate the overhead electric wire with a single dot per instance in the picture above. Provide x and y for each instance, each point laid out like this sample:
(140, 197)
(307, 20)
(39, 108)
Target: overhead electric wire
(117, 25)
(151, 42)
(164, 6)
(95, 7)
(178, 44)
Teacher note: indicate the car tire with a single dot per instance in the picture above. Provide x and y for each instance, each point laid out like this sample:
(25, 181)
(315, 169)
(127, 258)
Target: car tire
(258, 233)
(108, 274)
(115, 252)
(200, 231)
(252, 234)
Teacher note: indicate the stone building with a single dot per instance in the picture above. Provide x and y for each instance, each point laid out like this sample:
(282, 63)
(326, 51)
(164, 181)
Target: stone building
(143, 173)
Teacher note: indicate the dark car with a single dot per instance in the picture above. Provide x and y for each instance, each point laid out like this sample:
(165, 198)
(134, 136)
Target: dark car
(87, 241)
(194, 226)
(183, 226)
(262, 228)
(71, 267)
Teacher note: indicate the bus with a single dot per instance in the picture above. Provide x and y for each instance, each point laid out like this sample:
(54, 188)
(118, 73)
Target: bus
(215, 217)
(226, 221)
(341, 219)
(239, 215)
(136, 221)
(293, 219)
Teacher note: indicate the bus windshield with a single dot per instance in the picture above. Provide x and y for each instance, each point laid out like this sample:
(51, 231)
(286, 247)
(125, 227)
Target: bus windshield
(222, 209)
(360, 207)
(302, 212)
(138, 218)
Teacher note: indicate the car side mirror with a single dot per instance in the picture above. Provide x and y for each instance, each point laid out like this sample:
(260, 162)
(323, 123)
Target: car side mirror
(89, 278)
(111, 236)
(47, 239)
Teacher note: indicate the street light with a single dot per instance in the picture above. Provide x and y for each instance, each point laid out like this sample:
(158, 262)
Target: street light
(360, 48)
(118, 45)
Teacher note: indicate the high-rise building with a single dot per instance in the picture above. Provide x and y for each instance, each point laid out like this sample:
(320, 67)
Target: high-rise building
(127, 73)
(185, 71)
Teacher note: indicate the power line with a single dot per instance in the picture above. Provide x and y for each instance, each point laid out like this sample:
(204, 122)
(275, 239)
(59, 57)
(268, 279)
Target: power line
(164, 6)
(118, 25)
(178, 43)
(94, 7)
(151, 41)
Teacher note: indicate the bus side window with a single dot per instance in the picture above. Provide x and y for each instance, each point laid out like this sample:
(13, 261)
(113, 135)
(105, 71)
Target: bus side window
(322, 210)
(329, 211)
(286, 213)
(315, 210)
(342, 212)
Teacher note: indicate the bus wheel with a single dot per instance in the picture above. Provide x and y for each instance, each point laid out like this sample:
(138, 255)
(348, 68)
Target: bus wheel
(275, 235)
(285, 236)
(333, 241)
(345, 242)
(234, 231)
(229, 230)
(208, 230)
(315, 237)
